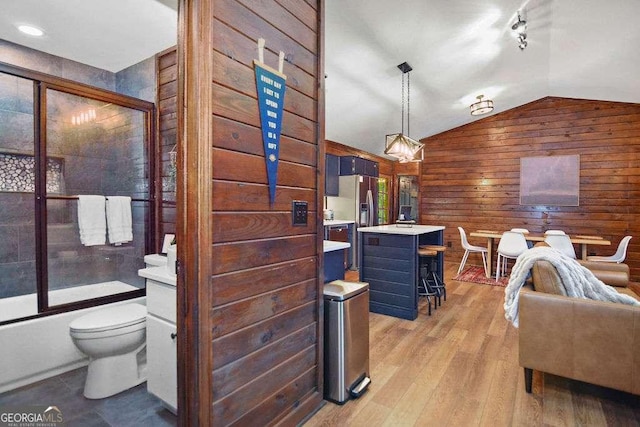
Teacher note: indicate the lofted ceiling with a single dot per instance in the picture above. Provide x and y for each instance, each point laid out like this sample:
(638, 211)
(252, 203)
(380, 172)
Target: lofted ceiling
(464, 48)
(458, 49)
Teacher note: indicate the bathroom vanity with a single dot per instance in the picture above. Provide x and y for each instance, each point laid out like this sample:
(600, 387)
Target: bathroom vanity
(162, 379)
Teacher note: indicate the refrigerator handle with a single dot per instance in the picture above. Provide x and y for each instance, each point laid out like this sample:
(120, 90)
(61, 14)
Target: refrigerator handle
(370, 204)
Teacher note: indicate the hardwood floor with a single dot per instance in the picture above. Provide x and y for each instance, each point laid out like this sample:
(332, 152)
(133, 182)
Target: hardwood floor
(459, 367)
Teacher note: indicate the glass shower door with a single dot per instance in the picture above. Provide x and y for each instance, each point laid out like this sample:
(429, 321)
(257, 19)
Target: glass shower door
(18, 285)
(58, 140)
(93, 148)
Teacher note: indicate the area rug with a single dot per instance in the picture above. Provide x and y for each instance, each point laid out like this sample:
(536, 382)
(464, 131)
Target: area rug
(476, 275)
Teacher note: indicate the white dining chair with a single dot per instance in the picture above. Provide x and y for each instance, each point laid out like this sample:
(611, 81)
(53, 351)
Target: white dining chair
(523, 231)
(512, 244)
(548, 232)
(619, 256)
(561, 243)
(471, 248)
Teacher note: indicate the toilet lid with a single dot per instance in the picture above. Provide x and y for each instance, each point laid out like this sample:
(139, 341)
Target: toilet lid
(105, 319)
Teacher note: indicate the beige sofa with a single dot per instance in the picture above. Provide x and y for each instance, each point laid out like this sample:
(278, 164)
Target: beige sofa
(592, 341)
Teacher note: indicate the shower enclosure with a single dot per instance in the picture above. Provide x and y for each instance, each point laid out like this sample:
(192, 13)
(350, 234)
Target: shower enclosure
(60, 139)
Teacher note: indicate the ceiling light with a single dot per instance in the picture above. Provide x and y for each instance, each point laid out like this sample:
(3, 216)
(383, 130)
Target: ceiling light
(31, 30)
(402, 147)
(522, 41)
(84, 117)
(399, 145)
(482, 106)
(520, 27)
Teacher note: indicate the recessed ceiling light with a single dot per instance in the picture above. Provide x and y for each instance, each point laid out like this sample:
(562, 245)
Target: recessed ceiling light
(31, 30)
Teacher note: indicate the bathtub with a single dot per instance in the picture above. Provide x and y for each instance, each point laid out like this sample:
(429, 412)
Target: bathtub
(41, 348)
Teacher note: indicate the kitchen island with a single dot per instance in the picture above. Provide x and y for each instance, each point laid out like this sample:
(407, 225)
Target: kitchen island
(388, 259)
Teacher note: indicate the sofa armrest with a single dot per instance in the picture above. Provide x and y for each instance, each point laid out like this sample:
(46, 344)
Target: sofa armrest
(593, 341)
(611, 273)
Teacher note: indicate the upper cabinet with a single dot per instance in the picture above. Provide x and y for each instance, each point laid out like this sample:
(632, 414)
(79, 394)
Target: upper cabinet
(352, 165)
(331, 175)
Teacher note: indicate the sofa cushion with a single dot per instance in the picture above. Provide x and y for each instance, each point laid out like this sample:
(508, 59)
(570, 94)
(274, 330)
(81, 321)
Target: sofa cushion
(546, 278)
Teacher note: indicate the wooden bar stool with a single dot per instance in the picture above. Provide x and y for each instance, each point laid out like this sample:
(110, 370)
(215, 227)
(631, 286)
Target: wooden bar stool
(429, 254)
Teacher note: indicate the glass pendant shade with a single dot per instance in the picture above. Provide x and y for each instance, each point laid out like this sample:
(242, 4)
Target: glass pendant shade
(402, 147)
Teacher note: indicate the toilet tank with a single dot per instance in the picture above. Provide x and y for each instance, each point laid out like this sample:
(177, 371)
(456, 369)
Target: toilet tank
(155, 260)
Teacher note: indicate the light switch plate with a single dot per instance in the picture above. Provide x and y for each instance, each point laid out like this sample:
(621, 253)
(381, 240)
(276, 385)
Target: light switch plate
(299, 210)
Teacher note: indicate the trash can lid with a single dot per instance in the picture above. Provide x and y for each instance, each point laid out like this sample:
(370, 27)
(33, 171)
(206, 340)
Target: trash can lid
(341, 290)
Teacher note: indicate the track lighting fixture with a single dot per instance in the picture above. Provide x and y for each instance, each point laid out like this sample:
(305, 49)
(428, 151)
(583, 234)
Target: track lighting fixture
(520, 28)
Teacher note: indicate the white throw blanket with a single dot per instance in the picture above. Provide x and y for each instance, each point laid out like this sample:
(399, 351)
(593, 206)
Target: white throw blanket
(119, 219)
(578, 281)
(91, 220)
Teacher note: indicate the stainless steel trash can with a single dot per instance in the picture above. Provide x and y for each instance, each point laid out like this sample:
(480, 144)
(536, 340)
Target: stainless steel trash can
(346, 340)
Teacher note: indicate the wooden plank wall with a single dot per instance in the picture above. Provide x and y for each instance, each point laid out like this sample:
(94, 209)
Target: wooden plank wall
(471, 175)
(167, 128)
(265, 294)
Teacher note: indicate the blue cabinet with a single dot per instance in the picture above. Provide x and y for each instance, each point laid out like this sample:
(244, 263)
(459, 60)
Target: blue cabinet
(331, 175)
(342, 233)
(352, 165)
(334, 265)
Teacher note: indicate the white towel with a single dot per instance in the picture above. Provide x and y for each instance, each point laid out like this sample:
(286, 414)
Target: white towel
(91, 220)
(119, 219)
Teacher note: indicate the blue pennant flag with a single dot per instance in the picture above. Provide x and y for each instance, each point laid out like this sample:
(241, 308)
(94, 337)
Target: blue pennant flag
(271, 86)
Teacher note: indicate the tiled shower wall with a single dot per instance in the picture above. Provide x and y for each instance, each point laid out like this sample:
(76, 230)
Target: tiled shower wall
(101, 158)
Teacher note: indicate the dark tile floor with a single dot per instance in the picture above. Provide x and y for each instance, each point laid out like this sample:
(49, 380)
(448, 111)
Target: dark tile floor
(134, 407)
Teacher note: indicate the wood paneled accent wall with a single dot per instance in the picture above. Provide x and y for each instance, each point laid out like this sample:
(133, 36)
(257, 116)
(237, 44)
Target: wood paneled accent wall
(258, 330)
(471, 175)
(167, 81)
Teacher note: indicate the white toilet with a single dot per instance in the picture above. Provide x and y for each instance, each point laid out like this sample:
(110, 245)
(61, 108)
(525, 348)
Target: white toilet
(114, 338)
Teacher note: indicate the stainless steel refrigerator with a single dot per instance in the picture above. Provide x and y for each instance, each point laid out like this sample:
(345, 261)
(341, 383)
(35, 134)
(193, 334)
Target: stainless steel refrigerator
(357, 201)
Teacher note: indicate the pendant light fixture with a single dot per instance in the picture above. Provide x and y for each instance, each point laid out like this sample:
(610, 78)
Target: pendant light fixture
(481, 106)
(399, 145)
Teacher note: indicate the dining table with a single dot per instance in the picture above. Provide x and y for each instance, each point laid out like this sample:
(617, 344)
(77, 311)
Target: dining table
(582, 240)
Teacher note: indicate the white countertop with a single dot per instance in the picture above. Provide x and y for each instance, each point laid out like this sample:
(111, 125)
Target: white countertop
(414, 230)
(159, 274)
(330, 245)
(337, 222)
